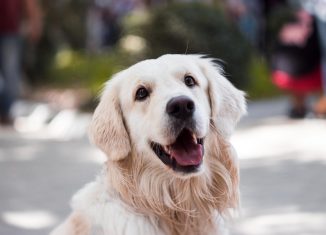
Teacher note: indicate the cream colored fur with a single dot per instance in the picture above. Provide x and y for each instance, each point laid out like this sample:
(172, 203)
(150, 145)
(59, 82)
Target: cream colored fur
(136, 193)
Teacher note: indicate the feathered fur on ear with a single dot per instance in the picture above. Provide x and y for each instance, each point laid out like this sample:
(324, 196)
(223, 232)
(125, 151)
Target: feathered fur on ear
(227, 102)
(107, 130)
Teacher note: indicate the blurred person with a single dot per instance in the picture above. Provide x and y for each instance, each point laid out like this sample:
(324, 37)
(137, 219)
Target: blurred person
(318, 9)
(12, 15)
(247, 14)
(103, 21)
(296, 61)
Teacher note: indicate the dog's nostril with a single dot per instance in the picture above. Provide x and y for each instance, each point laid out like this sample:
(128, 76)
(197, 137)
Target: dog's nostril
(181, 107)
(172, 108)
(190, 105)
(175, 109)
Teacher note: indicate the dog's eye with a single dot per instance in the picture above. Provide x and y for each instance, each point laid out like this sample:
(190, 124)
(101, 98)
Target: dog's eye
(189, 81)
(141, 94)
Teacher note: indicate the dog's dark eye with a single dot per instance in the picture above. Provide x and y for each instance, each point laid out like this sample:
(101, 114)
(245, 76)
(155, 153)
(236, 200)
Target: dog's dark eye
(189, 81)
(141, 93)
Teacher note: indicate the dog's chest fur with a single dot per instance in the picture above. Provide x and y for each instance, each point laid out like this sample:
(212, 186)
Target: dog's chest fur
(108, 215)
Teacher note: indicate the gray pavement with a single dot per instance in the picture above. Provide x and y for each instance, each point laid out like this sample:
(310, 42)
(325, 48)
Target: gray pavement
(283, 173)
(283, 178)
(38, 178)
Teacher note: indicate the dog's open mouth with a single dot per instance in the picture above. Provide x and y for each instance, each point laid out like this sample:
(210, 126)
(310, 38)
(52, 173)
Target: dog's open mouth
(185, 154)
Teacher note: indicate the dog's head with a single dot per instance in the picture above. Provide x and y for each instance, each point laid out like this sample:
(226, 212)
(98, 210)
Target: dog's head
(164, 109)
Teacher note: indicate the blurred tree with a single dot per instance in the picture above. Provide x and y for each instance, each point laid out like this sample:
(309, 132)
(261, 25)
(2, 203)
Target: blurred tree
(196, 28)
(64, 26)
(61, 59)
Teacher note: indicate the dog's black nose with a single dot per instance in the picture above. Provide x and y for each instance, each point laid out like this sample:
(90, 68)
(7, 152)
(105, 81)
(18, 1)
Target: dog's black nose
(181, 107)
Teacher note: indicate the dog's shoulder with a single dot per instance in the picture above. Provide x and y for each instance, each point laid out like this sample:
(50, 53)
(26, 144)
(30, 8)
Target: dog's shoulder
(108, 214)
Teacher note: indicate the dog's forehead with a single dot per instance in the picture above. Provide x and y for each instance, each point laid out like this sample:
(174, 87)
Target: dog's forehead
(162, 68)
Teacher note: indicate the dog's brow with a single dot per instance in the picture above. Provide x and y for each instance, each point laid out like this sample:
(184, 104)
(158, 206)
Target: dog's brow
(147, 82)
(180, 72)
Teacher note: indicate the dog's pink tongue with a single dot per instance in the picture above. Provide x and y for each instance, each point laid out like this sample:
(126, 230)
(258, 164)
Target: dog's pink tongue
(186, 151)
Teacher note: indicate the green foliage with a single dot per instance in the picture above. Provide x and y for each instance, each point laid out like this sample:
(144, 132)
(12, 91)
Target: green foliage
(177, 28)
(196, 28)
(65, 22)
(63, 26)
(72, 68)
(260, 85)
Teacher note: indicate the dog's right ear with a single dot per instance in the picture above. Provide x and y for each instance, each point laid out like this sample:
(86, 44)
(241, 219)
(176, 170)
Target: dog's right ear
(107, 130)
(227, 103)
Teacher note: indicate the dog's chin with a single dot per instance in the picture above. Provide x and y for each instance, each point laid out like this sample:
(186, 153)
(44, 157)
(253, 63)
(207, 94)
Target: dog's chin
(184, 156)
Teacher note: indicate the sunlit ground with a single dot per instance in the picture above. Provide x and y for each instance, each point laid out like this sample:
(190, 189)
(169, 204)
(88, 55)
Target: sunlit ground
(29, 219)
(38, 177)
(283, 170)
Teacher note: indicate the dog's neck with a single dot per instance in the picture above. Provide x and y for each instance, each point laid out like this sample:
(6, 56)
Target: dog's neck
(182, 206)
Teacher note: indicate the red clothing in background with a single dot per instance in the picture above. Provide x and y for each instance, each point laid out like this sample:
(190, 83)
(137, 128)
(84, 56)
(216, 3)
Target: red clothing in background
(10, 16)
(300, 84)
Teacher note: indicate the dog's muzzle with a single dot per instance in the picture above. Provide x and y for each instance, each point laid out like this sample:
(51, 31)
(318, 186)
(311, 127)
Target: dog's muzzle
(185, 154)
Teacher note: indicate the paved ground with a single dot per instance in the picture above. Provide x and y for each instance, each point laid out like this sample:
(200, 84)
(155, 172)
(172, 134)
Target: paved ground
(283, 178)
(283, 173)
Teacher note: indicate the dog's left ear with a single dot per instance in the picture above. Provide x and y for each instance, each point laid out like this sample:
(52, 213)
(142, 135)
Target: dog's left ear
(227, 102)
(107, 129)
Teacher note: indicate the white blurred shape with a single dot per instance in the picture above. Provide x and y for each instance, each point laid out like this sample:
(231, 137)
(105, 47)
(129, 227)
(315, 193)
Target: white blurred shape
(62, 124)
(35, 121)
(133, 43)
(29, 219)
(290, 223)
(279, 138)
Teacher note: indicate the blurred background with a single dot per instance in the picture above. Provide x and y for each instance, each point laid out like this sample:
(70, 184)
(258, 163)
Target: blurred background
(56, 55)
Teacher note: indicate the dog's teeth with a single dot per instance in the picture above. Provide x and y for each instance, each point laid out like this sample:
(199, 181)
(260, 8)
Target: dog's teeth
(167, 149)
(194, 138)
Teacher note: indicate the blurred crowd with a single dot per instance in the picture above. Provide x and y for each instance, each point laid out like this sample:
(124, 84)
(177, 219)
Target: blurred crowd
(12, 13)
(295, 48)
(294, 44)
(296, 54)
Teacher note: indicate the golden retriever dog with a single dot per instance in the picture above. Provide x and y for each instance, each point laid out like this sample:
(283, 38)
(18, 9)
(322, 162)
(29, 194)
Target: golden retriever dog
(164, 125)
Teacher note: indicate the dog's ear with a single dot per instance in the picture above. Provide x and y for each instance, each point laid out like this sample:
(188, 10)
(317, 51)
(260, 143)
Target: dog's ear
(107, 130)
(227, 102)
